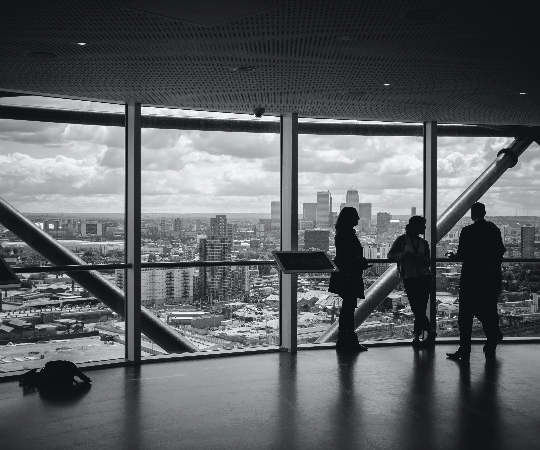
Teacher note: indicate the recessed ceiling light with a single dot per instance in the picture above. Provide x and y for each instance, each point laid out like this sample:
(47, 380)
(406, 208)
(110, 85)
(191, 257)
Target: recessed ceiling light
(386, 84)
(41, 55)
(244, 69)
(82, 44)
(421, 14)
(522, 93)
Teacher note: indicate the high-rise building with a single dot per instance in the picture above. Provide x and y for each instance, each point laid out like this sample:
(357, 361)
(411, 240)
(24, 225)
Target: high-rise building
(352, 199)
(91, 227)
(160, 286)
(309, 211)
(383, 222)
(364, 211)
(178, 227)
(324, 217)
(413, 211)
(317, 240)
(219, 226)
(275, 218)
(527, 241)
(214, 282)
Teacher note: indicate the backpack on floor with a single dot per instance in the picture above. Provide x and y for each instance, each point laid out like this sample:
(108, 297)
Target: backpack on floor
(55, 375)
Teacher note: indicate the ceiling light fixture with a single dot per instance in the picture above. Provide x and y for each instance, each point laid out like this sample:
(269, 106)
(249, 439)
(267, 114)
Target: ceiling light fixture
(421, 14)
(386, 84)
(244, 69)
(82, 44)
(522, 93)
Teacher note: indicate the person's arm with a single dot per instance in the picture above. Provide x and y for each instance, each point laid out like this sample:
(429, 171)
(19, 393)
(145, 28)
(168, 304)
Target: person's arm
(396, 251)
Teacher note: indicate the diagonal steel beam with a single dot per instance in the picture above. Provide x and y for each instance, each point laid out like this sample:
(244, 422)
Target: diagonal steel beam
(387, 282)
(92, 281)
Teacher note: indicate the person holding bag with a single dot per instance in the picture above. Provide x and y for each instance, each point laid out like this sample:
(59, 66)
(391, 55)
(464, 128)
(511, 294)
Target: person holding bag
(348, 282)
(413, 258)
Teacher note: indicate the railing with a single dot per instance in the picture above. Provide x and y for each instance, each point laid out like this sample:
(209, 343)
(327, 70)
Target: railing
(185, 264)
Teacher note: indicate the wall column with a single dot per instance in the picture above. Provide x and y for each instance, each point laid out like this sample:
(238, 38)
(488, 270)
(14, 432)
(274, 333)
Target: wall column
(289, 227)
(133, 232)
(430, 209)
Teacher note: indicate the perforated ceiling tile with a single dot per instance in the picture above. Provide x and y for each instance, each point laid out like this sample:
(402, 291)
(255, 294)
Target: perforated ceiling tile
(467, 65)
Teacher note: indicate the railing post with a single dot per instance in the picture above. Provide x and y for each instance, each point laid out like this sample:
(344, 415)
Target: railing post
(133, 232)
(289, 227)
(430, 210)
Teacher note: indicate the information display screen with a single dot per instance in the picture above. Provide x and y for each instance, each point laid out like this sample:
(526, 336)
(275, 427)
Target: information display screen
(304, 262)
(7, 276)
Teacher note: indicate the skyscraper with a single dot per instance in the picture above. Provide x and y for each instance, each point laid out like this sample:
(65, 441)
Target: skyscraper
(364, 211)
(527, 241)
(215, 282)
(275, 218)
(383, 222)
(309, 211)
(324, 210)
(352, 199)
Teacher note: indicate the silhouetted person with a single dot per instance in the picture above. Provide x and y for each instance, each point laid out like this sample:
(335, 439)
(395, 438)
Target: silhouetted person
(412, 255)
(348, 282)
(481, 249)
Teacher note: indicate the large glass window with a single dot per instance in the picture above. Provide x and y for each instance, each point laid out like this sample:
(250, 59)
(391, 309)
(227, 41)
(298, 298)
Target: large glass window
(211, 196)
(69, 181)
(379, 176)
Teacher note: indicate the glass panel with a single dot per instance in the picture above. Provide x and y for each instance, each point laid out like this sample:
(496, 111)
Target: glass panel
(211, 196)
(68, 180)
(60, 321)
(379, 176)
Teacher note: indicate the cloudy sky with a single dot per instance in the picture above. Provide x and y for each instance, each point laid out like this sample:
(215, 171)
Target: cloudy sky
(48, 167)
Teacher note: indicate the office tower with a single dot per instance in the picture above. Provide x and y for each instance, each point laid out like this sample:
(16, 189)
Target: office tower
(364, 211)
(306, 224)
(317, 240)
(214, 282)
(413, 211)
(383, 222)
(309, 211)
(324, 210)
(352, 199)
(178, 227)
(91, 228)
(160, 286)
(220, 227)
(275, 218)
(527, 241)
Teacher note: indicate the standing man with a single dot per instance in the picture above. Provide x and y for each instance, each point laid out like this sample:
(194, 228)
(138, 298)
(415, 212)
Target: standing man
(481, 249)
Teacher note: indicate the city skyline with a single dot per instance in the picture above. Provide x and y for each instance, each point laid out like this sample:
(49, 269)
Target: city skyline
(47, 167)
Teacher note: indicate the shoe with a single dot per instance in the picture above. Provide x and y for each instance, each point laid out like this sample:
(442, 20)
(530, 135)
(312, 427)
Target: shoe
(416, 342)
(459, 356)
(354, 345)
(430, 340)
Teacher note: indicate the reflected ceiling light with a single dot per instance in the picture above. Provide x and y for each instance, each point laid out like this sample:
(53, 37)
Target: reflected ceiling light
(41, 55)
(421, 14)
(244, 69)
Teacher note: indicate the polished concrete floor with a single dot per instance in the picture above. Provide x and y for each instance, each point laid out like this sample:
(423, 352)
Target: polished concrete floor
(386, 398)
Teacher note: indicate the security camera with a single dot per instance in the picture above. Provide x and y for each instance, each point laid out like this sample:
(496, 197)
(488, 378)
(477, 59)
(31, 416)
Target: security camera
(259, 112)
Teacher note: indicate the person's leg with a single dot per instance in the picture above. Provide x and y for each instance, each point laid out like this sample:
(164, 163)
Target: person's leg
(342, 327)
(465, 321)
(487, 314)
(415, 288)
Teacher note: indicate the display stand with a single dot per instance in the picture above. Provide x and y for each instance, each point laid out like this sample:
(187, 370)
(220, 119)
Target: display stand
(304, 262)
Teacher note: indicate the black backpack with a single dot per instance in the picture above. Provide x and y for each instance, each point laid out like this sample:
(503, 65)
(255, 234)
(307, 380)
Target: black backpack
(58, 375)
